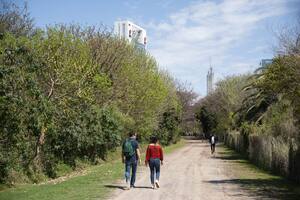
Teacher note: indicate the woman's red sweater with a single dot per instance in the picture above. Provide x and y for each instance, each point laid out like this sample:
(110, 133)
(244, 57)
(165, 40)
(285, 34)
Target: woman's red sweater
(154, 151)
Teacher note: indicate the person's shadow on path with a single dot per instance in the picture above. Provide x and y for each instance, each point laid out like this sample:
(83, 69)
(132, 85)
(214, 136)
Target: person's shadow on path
(123, 188)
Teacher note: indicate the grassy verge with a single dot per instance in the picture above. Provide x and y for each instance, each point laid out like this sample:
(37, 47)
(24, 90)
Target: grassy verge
(88, 186)
(254, 180)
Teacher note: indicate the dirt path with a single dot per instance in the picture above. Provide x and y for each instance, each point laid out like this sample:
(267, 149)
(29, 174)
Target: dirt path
(189, 173)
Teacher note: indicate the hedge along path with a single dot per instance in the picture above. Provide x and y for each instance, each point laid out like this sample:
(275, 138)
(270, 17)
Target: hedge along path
(51, 77)
(92, 184)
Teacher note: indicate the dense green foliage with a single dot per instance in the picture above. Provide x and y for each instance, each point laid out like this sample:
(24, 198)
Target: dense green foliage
(259, 114)
(69, 93)
(217, 111)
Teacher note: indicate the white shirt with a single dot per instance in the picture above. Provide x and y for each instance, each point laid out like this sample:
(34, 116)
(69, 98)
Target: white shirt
(212, 139)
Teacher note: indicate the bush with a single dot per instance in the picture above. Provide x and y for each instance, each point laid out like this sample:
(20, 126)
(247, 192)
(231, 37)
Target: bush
(270, 153)
(69, 93)
(168, 131)
(236, 141)
(59, 103)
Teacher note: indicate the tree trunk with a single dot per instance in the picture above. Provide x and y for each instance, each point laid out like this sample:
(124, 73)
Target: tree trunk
(39, 144)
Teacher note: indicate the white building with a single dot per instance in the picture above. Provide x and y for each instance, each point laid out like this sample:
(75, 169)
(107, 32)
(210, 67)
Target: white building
(266, 62)
(131, 32)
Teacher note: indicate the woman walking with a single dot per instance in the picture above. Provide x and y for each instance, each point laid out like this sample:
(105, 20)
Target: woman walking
(154, 158)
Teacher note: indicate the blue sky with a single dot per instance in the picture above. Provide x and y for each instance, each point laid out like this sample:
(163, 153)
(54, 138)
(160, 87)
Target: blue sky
(184, 34)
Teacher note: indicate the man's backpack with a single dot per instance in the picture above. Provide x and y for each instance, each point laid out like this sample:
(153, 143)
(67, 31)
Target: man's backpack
(127, 148)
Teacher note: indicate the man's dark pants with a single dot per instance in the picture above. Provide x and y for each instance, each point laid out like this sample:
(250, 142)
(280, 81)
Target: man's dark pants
(130, 165)
(213, 147)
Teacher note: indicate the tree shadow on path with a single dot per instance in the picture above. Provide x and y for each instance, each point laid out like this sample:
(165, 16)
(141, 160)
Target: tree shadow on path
(253, 181)
(264, 188)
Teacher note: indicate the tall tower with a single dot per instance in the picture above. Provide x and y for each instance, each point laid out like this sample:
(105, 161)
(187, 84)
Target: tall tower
(210, 79)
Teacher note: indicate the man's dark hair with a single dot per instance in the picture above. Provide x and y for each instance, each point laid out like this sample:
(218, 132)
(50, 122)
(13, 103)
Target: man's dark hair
(131, 134)
(153, 139)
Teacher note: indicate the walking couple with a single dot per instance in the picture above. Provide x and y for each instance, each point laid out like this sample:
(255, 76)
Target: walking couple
(131, 156)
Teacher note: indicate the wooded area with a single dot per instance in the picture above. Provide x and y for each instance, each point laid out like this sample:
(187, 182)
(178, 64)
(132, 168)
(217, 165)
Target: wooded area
(71, 93)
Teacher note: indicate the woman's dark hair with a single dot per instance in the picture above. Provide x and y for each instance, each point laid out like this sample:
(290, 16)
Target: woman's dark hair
(153, 139)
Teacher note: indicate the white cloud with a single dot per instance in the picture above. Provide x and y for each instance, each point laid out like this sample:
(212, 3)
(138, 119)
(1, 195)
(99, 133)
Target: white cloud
(188, 38)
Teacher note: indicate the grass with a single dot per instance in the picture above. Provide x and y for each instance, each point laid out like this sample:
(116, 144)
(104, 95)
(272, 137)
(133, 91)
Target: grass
(171, 148)
(254, 180)
(88, 186)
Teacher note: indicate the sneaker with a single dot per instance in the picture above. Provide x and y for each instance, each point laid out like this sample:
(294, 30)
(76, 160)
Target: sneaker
(127, 187)
(153, 187)
(157, 183)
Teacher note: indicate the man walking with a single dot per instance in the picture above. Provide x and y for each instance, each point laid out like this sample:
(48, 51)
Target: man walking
(130, 156)
(213, 143)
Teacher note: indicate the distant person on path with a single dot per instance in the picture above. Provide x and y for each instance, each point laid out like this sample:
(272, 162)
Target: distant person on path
(213, 141)
(130, 156)
(154, 158)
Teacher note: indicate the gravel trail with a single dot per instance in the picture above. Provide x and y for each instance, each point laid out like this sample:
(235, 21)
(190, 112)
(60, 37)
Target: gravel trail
(190, 173)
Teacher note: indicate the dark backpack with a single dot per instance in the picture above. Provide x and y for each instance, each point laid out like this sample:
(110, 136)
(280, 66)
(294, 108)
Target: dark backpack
(127, 148)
